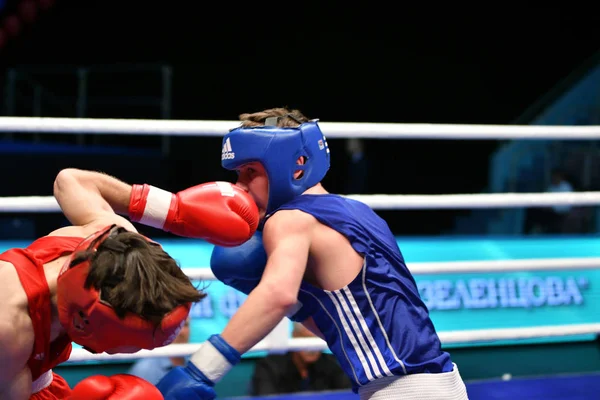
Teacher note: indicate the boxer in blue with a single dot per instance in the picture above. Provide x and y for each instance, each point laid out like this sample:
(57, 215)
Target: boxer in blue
(322, 259)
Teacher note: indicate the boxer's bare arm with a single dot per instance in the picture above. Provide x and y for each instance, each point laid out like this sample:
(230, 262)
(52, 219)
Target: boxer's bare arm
(15, 377)
(87, 196)
(286, 239)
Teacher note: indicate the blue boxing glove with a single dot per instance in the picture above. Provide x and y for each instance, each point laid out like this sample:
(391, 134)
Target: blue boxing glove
(241, 267)
(206, 367)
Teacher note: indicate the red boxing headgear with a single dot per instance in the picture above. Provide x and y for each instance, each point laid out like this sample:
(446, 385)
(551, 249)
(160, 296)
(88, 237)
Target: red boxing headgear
(93, 323)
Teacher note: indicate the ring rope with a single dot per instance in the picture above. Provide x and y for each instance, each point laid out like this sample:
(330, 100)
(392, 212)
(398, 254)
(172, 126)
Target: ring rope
(453, 267)
(48, 204)
(330, 129)
(296, 344)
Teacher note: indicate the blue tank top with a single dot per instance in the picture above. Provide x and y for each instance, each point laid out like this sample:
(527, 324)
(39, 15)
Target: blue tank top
(376, 326)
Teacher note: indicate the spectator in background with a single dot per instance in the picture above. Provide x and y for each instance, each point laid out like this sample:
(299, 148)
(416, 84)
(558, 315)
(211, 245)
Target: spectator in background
(557, 215)
(559, 183)
(553, 219)
(356, 177)
(301, 371)
(153, 369)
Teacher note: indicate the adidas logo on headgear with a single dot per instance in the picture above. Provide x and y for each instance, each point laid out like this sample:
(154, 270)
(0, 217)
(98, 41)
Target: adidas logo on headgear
(227, 153)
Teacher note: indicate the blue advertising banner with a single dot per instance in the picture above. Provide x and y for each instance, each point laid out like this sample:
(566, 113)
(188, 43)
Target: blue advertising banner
(464, 302)
(458, 301)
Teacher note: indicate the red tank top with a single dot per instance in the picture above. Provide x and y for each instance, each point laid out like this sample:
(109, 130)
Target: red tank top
(29, 263)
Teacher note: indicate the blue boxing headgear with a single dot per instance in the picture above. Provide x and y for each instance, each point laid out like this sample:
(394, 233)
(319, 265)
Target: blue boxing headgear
(278, 149)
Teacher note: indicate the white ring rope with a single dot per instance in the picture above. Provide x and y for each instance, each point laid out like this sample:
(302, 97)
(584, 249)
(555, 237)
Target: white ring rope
(454, 267)
(295, 344)
(330, 129)
(48, 204)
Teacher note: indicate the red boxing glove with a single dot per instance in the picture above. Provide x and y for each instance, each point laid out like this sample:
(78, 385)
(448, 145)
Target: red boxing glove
(121, 386)
(219, 212)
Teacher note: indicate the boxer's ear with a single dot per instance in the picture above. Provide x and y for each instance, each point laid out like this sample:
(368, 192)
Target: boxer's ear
(298, 173)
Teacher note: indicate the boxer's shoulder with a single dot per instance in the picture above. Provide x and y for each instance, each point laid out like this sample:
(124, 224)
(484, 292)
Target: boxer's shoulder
(293, 222)
(288, 221)
(69, 231)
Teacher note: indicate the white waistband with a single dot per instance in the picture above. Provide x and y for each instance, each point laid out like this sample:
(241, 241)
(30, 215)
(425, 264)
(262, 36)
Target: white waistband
(444, 386)
(42, 382)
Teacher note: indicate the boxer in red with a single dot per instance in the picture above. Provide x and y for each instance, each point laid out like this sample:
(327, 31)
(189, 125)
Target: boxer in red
(104, 286)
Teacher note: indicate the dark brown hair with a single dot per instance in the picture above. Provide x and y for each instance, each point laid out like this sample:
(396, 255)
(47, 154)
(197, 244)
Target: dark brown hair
(136, 275)
(286, 118)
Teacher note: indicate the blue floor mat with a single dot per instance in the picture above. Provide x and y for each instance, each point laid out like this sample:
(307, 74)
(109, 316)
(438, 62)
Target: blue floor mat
(573, 387)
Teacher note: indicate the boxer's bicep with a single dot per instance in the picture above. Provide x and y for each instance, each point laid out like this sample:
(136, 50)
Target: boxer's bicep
(80, 201)
(286, 239)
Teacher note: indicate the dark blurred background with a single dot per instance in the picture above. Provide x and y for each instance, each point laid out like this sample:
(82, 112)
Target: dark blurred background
(374, 63)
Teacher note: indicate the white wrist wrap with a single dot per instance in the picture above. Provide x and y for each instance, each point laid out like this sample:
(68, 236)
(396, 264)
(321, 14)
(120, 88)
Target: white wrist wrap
(157, 207)
(211, 362)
